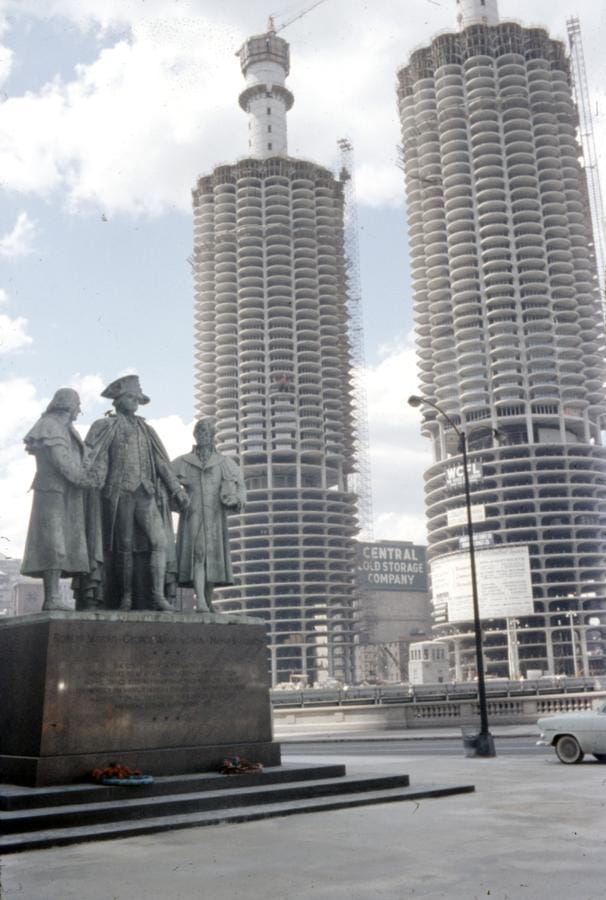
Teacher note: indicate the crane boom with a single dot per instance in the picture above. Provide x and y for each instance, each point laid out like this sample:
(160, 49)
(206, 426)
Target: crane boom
(272, 27)
(594, 190)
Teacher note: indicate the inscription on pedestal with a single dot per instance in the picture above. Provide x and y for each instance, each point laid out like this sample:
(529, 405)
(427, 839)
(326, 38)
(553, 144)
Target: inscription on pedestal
(155, 684)
(167, 672)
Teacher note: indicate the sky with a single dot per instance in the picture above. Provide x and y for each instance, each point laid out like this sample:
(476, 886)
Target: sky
(109, 112)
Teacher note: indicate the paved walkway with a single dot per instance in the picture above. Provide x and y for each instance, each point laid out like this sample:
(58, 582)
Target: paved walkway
(533, 830)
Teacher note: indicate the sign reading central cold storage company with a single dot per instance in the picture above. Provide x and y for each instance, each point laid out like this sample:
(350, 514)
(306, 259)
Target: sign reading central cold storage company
(503, 580)
(391, 566)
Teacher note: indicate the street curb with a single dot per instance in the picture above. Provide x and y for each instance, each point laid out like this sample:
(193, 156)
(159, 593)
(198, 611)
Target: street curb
(363, 739)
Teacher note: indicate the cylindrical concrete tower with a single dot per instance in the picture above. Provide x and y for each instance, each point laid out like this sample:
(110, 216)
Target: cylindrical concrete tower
(509, 328)
(265, 61)
(273, 366)
(476, 12)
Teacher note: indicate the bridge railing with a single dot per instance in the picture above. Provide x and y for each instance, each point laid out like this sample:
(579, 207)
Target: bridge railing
(410, 713)
(388, 694)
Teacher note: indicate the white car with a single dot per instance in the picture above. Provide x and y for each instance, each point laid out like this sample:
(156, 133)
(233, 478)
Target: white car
(575, 734)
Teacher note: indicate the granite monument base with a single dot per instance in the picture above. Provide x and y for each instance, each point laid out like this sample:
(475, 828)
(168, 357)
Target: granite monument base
(165, 693)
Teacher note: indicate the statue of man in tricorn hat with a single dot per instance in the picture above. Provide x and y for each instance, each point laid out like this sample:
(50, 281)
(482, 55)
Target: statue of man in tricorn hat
(138, 488)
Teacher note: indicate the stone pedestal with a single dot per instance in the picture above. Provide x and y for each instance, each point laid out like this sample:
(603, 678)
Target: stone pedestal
(164, 693)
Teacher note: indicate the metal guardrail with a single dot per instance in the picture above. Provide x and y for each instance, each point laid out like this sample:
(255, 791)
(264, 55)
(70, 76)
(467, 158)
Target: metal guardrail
(413, 694)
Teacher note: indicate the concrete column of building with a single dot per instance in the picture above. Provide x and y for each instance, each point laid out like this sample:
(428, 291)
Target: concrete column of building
(265, 61)
(476, 12)
(458, 671)
(549, 651)
(512, 649)
(584, 654)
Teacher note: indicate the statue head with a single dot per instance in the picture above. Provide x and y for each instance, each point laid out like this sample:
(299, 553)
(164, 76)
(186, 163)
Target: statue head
(65, 400)
(126, 393)
(204, 433)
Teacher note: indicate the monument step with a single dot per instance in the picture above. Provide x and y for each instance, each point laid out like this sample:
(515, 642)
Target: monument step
(37, 840)
(13, 797)
(134, 807)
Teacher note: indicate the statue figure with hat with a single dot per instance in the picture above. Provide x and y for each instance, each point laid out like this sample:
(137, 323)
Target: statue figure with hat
(137, 489)
(56, 545)
(215, 488)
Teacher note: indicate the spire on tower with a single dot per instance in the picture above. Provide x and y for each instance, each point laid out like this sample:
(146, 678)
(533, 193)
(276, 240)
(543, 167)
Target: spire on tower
(265, 62)
(477, 12)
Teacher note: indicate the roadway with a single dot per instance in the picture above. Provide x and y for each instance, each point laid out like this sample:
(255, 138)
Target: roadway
(505, 746)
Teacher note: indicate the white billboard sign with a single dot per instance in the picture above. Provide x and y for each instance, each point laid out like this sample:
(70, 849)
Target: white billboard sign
(458, 516)
(455, 475)
(503, 579)
(481, 539)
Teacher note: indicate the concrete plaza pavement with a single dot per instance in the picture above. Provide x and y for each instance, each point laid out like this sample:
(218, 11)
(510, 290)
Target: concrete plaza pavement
(534, 829)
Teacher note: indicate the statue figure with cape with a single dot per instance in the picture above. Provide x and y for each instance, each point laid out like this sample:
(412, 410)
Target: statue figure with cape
(129, 529)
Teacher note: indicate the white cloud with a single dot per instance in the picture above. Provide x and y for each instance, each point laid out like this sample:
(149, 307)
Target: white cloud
(379, 185)
(19, 241)
(13, 332)
(133, 129)
(6, 63)
(20, 407)
(399, 454)
(175, 434)
(392, 526)
(89, 388)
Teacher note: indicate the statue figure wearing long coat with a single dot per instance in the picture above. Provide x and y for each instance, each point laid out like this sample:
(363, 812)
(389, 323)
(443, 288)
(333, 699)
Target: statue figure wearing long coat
(134, 506)
(215, 487)
(56, 544)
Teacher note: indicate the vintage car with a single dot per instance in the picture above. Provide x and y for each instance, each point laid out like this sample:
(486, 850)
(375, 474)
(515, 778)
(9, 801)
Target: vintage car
(575, 734)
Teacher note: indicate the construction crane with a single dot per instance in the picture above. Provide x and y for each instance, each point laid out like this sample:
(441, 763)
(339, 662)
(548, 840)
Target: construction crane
(581, 93)
(271, 25)
(362, 482)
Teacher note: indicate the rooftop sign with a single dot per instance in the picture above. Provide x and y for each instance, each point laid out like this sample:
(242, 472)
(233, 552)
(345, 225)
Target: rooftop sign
(391, 566)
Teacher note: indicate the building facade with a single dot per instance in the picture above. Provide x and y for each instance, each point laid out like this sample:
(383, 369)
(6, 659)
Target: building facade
(428, 663)
(510, 330)
(273, 367)
(392, 611)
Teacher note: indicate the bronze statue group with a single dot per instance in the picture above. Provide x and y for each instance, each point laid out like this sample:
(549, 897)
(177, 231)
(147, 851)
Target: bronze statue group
(102, 508)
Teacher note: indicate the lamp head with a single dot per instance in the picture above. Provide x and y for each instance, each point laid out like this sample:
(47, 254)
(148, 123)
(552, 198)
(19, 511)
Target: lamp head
(415, 401)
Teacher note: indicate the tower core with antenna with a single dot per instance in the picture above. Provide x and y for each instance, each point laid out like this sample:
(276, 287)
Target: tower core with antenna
(265, 62)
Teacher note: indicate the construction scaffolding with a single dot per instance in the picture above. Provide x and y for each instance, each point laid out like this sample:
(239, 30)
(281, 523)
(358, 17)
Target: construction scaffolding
(590, 158)
(362, 480)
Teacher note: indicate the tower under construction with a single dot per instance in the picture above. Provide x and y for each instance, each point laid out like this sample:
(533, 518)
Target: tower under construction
(273, 366)
(509, 328)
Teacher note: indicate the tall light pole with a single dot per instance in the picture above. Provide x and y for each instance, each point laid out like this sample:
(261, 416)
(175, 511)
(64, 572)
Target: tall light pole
(485, 743)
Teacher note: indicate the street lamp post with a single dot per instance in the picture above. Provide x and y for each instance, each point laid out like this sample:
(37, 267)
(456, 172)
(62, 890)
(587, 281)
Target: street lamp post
(485, 742)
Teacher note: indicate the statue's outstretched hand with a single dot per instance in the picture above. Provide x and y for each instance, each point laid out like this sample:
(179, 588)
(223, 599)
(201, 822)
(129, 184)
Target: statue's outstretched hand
(183, 501)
